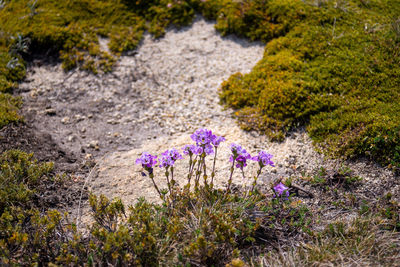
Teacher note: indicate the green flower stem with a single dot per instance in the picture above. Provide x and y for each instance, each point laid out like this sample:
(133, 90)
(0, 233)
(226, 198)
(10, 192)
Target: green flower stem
(204, 169)
(230, 177)
(155, 186)
(255, 179)
(213, 169)
(172, 181)
(191, 168)
(198, 172)
(168, 183)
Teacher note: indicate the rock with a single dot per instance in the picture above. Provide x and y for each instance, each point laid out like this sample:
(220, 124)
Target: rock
(50, 112)
(93, 144)
(112, 122)
(65, 120)
(79, 118)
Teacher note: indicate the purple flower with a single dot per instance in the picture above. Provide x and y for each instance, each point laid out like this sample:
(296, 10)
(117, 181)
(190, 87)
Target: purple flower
(169, 157)
(202, 136)
(281, 189)
(237, 149)
(216, 140)
(206, 140)
(192, 149)
(147, 160)
(240, 156)
(241, 161)
(208, 149)
(263, 159)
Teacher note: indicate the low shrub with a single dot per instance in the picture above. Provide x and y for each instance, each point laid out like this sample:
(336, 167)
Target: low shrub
(20, 177)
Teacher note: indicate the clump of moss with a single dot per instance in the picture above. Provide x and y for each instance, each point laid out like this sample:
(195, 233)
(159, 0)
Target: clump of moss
(334, 71)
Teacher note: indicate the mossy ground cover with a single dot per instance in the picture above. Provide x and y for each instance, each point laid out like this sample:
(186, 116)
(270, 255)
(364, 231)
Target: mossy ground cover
(335, 70)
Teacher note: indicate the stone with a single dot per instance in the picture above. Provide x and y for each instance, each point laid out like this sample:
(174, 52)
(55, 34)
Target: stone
(50, 111)
(65, 120)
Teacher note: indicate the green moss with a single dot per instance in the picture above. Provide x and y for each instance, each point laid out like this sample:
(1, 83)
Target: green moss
(259, 19)
(125, 39)
(334, 70)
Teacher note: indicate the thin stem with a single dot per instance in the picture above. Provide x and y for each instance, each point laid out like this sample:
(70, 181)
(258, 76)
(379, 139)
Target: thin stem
(172, 176)
(204, 170)
(244, 177)
(197, 178)
(255, 179)
(190, 162)
(230, 177)
(155, 186)
(213, 169)
(168, 183)
(172, 181)
(191, 167)
(244, 182)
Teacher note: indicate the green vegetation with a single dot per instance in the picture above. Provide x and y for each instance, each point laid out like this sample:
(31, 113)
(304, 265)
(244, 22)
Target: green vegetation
(20, 178)
(204, 227)
(207, 226)
(334, 69)
(360, 242)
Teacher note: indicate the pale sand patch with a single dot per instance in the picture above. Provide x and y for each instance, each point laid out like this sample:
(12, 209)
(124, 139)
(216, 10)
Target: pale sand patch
(188, 67)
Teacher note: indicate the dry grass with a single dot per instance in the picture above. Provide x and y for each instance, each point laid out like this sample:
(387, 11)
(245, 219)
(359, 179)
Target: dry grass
(360, 242)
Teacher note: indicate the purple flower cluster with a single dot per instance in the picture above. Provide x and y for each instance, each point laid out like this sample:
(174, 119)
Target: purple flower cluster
(169, 157)
(147, 160)
(205, 140)
(202, 136)
(239, 155)
(281, 189)
(264, 159)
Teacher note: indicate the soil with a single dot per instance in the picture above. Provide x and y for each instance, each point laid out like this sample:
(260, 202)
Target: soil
(29, 139)
(61, 194)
